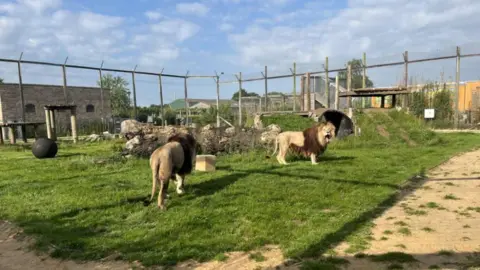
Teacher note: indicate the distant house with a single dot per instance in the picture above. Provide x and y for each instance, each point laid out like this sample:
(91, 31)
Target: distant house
(196, 105)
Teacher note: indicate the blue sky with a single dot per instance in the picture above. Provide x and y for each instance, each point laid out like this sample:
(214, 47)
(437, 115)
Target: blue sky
(231, 36)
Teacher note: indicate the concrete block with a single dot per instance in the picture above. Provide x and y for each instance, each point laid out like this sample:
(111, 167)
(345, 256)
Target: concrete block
(205, 163)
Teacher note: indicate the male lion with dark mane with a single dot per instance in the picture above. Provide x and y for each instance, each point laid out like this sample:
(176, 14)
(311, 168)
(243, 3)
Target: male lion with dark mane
(172, 160)
(309, 142)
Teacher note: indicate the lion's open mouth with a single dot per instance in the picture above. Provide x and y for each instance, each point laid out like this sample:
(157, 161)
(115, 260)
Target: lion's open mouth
(328, 137)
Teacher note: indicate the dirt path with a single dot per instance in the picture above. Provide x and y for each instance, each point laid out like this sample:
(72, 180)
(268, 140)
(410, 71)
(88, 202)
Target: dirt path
(438, 223)
(437, 226)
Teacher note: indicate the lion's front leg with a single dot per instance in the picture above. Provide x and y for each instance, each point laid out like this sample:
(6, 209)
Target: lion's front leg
(180, 179)
(313, 158)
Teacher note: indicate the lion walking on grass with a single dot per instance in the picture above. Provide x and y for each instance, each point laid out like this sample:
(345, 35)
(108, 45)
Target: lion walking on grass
(174, 160)
(309, 142)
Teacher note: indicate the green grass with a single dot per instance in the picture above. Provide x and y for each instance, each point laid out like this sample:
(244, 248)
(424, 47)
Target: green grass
(88, 203)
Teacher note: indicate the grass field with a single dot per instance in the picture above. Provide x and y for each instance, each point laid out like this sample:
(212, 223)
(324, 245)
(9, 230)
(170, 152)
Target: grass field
(88, 204)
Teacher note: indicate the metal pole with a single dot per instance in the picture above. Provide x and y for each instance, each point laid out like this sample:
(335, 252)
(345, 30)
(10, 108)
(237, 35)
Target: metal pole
(327, 83)
(134, 94)
(265, 75)
(217, 81)
(22, 97)
(101, 92)
(364, 77)
(294, 86)
(239, 77)
(162, 112)
(457, 87)
(186, 98)
(65, 81)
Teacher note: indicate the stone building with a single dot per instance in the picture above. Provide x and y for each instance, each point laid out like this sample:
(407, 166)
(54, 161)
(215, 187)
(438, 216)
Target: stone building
(87, 99)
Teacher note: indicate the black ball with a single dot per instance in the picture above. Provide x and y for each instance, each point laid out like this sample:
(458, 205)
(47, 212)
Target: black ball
(44, 148)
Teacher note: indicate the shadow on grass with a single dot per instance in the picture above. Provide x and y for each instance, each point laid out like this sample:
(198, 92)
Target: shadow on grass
(348, 228)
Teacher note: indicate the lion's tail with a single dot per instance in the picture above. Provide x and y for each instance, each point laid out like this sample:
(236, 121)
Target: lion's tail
(276, 147)
(155, 169)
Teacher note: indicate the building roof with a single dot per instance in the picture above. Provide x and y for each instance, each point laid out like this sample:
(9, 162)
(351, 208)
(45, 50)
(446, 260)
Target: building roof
(180, 102)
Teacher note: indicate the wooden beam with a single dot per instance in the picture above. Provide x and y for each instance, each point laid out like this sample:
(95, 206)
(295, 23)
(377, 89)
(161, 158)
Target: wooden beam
(372, 94)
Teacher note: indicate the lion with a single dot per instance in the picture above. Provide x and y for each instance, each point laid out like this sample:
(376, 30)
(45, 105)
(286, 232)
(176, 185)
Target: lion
(309, 142)
(173, 160)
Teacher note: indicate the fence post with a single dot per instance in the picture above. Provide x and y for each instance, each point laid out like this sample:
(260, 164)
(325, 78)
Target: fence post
(294, 72)
(364, 78)
(405, 78)
(265, 75)
(64, 72)
(307, 86)
(186, 98)
(337, 89)
(134, 94)
(217, 81)
(239, 78)
(327, 83)
(349, 85)
(457, 87)
(22, 97)
(162, 112)
(102, 96)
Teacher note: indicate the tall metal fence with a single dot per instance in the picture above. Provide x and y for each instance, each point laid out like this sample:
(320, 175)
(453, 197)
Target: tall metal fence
(460, 91)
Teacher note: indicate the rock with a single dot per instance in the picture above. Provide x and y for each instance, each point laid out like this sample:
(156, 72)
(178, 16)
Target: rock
(132, 143)
(130, 126)
(230, 131)
(93, 138)
(107, 135)
(274, 128)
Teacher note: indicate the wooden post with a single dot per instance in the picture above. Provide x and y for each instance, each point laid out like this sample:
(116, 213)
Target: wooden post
(11, 134)
(73, 122)
(294, 86)
(457, 87)
(364, 77)
(382, 102)
(307, 87)
(266, 89)
(394, 101)
(327, 83)
(349, 85)
(405, 78)
(302, 93)
(185, 92)
(52, 123)
(337, 90)
(217, 81)
(48, 123)
(1, 135)
(134, 94)
(64, 72)
(162, 111)
(239, 77)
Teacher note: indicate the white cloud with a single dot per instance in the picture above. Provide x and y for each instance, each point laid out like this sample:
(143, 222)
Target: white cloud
(178, 28)
(195, 8)
(378, 27)
(226, 27)
(153, 15)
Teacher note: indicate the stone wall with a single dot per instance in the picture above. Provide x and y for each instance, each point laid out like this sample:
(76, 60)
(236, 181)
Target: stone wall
(36, 96)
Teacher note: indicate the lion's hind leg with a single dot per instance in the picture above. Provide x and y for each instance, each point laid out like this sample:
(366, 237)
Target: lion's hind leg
(164, 178)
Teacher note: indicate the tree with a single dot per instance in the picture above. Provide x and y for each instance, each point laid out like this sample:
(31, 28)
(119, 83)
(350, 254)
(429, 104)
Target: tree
(357, 74)
(244, 94)
(1, 80)
(119, 94)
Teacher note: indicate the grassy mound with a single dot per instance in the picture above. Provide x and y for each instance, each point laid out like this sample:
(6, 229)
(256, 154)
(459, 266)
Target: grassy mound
(392, 128)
